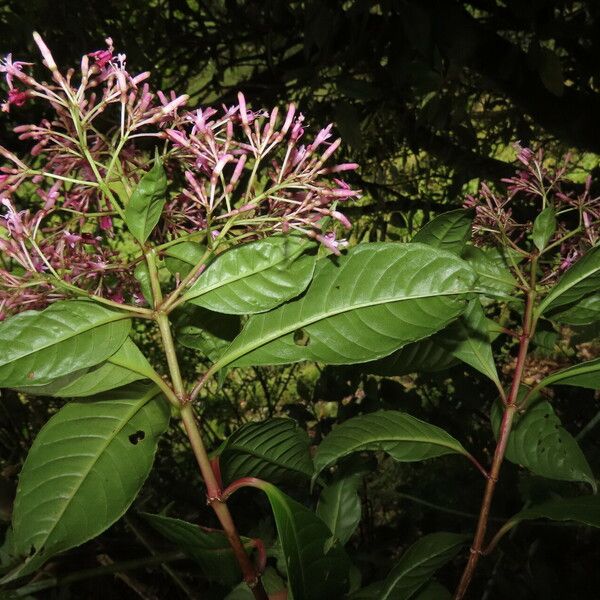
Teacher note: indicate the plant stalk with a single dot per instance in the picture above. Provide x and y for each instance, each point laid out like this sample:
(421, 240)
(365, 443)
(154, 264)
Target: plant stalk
(510, 408)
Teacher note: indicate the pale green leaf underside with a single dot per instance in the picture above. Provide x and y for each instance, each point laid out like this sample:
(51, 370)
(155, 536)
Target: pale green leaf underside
(403, 437)
(125, 366)
(415, 568)
(581, 280)
(83, 471)
(316, 569)
(448, 231)
(276, 450)
(210, 549)
(359, 307)
(539, 443)
(38, 347)
(582, 509)
(585, 375)
(255, 277)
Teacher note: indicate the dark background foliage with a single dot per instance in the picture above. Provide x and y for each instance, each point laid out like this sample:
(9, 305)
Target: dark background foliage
(428, 96)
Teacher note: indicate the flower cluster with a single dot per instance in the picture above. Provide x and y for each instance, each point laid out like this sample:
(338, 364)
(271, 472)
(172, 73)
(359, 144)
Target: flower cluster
(245, 173)
(536, 186)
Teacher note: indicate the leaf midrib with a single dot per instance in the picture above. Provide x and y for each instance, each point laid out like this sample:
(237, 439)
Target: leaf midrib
(255, 454)
(225, 360)
(153, 392)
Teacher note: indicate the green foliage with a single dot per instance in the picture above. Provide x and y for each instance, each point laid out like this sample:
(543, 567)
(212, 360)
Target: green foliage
(359, 307)
(583, 510)
(38, 347)
(147, 201)
(255, 277)
(539, 443)
(340, 506)
(403, 437)
(275, 450)
(448, 231)
(544, 227)
(585, 375)
(83, 471)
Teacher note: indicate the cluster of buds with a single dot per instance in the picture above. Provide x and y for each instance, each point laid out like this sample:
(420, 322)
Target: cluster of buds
(536, 185)
(248, 173)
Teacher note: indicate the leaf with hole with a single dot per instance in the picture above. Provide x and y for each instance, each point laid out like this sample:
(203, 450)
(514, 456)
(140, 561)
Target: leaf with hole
(276, 450)
(84, 470)
(539, 443)
(40, 346)
(125, 366)
(403, 437)
(255, 277)
(209, 548)
(449, 231)
(415, 568)
(147, 201)
(359, 307)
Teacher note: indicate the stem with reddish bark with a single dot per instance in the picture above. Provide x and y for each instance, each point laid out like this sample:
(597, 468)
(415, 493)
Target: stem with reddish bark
(213, 487)
(510, 407)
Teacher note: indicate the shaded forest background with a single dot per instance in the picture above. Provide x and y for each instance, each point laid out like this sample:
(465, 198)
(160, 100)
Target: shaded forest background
(428, 97)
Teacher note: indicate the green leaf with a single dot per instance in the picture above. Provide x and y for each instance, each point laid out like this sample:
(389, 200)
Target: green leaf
(581, 280)
(415, 567)
(84, 470)
(316, 569)
(275, 450)
(37, 347)
(209, 548)
(359, 307)
(126, 365)
(423, 356)
(582, 509)
(339, 507)
(433, 591)
(585, 375)
(494, 277)
(551, 73)
(142, 274)
(468, 339)
(205, 330)
(403, 437)
(145, 206)
(181, 258)
(271, 581)
(539, 443)
(448, 231)
(544, 227)
(584, 312)
(255, 277)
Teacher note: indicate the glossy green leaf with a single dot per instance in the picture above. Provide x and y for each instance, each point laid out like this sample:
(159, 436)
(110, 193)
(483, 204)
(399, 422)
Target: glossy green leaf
(359, 307)
(38, 347)
(181, 258)
(468, 339)
(539, 443)
(84, 470)
(126, 365)
(403, 437)
(276, 450)
(205, 330)
(209, 548)
(582, 509)
(339, 507)
(255, 277)
(448, 231)
(585, 375)
(147, 201)
(584, 312)
(578, 282)
(415, 568)
(142, 274)
(271, 581)
(316, 569)
(494, 277)
(544, 227)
